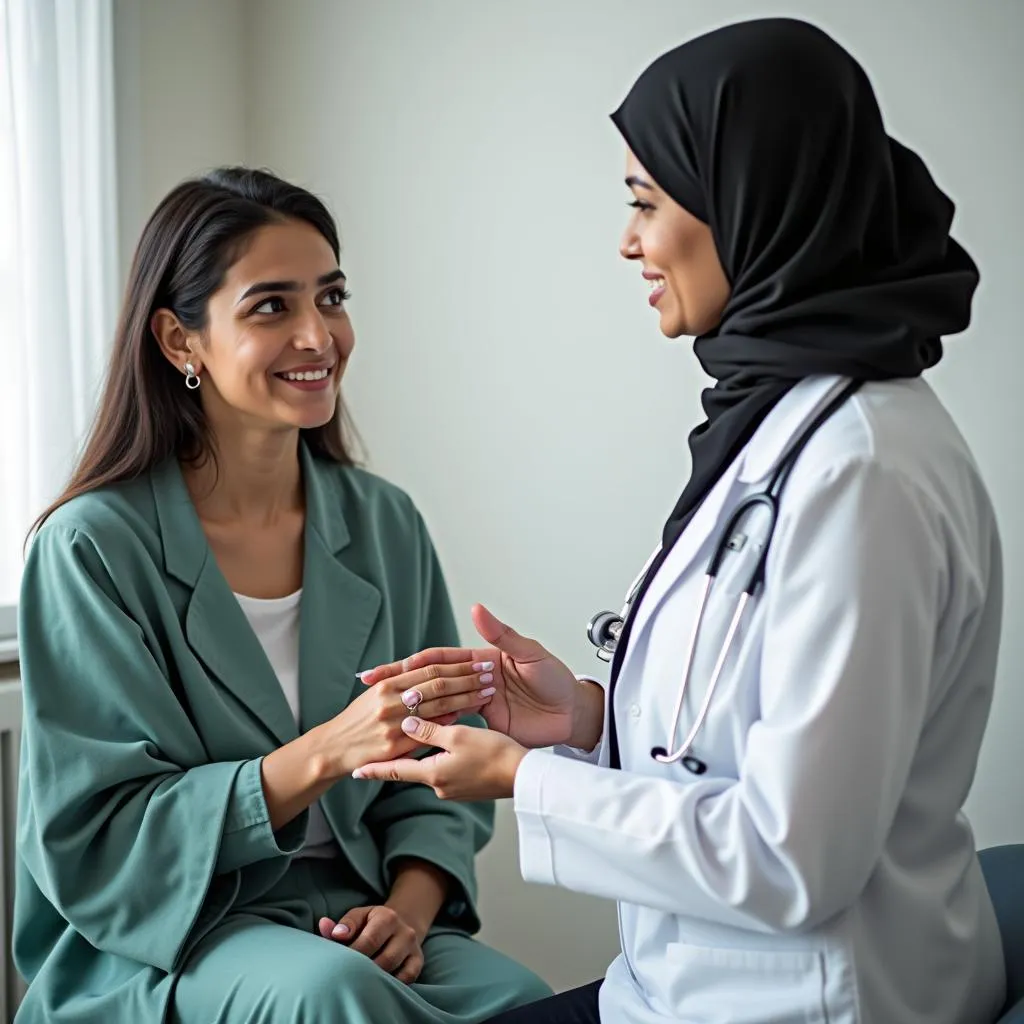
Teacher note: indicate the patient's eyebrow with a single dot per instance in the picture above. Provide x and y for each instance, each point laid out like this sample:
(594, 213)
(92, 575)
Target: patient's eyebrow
(634, 182)
(262, 287)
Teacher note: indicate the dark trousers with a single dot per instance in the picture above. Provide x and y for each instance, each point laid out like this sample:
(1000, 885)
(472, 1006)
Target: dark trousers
(577, 1006)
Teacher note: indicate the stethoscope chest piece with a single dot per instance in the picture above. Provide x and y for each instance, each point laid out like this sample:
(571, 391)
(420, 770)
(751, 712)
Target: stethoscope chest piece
(603, 632)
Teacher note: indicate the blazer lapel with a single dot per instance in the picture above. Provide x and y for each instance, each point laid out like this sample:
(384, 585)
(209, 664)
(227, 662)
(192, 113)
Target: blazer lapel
(215, 625)
(339, 607)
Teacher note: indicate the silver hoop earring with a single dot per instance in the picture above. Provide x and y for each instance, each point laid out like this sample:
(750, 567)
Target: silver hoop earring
(191, 377)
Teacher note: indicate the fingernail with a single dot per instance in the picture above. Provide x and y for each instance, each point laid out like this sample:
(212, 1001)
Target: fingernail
(410, 724)
(483, 666)
(341, 931)
(487, 692)
(487, 677)
(359, 774)
(362, 675)
(411, 698)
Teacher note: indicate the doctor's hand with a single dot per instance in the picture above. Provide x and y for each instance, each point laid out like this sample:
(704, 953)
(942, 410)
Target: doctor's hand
(537, 699)
(472, 764)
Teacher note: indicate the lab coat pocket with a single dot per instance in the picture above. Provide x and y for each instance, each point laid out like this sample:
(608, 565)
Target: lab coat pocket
(742, 986)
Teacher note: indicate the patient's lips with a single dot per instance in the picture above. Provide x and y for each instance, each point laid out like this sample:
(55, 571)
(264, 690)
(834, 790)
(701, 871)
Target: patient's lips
(308, 376)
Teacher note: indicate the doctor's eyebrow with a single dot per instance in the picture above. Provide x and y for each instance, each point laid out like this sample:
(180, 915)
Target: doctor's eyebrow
(289, 286)
(634, 182)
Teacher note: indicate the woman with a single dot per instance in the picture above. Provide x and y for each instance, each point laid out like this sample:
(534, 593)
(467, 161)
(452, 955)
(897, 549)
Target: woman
(194, 611)
(799, 853)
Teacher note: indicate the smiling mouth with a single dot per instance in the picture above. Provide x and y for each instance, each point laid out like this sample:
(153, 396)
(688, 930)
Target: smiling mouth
(321, 374)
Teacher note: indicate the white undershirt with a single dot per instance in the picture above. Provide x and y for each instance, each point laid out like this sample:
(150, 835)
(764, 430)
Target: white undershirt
(275, 621)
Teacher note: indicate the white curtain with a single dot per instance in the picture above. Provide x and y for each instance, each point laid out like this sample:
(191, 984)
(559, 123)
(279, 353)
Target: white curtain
(58, 248)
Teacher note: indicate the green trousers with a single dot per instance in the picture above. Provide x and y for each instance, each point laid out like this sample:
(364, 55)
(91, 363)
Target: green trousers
(267, 964)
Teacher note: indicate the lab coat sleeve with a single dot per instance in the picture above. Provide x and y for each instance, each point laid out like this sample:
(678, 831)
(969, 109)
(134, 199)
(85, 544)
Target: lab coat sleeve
(125, 826)
(855, 587)
(409, 820)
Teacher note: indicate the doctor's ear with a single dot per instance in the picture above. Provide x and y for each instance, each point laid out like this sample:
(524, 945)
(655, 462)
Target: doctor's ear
(177, 344)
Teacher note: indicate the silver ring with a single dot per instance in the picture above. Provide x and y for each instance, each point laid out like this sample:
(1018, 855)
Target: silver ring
(410, 709)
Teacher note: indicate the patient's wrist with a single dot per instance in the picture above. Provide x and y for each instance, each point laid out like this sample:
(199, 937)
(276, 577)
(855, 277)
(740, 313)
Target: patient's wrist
(418, 892)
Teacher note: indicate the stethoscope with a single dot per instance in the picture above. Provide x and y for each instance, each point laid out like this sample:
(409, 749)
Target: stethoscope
(606, 628)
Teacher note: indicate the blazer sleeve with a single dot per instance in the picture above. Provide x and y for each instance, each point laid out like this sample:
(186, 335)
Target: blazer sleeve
(408, 820)
(125, 826)
(845, 678)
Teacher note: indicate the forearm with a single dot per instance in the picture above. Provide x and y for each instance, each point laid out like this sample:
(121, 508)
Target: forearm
(588, 716)
(295, 776)
(418, 893)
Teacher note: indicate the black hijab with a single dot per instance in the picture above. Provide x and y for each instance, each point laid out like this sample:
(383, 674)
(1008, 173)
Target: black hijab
(833, 236)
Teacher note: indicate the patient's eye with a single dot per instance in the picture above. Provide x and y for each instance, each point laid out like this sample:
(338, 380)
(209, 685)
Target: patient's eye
(336, 296)
(275, 304)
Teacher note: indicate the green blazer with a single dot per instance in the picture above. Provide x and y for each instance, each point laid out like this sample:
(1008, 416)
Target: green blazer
(148, 704)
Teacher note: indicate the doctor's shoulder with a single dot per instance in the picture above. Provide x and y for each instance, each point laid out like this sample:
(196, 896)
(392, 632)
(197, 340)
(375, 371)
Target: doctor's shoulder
(900, 430)
(895, 458)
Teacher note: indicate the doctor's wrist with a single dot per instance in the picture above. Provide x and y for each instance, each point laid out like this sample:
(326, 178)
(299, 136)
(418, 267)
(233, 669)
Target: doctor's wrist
(587, 715)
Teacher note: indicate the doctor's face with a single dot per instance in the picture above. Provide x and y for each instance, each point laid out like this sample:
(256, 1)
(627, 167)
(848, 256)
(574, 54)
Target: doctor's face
(689, 288)
(277, 338)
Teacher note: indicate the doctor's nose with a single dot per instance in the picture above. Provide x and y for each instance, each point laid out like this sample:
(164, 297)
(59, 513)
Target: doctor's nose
(629, 244)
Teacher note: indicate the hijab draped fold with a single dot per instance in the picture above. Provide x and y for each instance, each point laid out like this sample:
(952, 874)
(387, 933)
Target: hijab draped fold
(833, 236)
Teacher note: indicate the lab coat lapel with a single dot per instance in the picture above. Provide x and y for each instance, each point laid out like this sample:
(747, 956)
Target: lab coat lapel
(339, 607)
(215, 625)
(752, 468)
(698, 535)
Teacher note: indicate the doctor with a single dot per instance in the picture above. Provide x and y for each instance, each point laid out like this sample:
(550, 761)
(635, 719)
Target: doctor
(798, 852)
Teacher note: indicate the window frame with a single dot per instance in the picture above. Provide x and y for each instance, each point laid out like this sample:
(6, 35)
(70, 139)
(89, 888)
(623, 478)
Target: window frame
(8, 633)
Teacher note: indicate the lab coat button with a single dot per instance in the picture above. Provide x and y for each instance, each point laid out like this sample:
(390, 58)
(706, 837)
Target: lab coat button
(634, 710)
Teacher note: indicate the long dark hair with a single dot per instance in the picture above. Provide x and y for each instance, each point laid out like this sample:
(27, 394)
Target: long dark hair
(194, 236)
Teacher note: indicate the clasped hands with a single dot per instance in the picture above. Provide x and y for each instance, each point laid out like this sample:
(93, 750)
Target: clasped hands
(536, 702)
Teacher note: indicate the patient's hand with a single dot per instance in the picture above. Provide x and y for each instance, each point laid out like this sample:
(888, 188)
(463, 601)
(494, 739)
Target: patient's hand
(535, 693)
(380, 933)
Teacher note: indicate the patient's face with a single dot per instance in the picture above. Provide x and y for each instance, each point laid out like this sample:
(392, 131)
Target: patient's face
(278, 336)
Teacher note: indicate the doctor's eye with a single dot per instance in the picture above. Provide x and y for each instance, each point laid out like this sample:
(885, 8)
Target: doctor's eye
(641, 204)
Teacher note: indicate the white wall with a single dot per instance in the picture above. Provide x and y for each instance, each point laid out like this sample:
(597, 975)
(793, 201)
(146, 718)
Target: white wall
(509, 373)
(179, 92)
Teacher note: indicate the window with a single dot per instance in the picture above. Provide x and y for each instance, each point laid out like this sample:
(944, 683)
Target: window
(58, 258)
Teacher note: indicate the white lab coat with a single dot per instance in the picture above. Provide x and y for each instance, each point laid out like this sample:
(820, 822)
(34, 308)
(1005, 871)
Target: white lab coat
(821, 870)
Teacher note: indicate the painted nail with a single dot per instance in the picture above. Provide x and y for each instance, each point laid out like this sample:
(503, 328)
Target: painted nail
(358, 774)
(483, 666)
(341, 931)
(412, 698)
(487, 677)
(362, 675)
(488, 691)
(410, 724)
